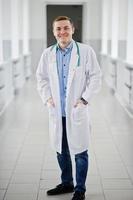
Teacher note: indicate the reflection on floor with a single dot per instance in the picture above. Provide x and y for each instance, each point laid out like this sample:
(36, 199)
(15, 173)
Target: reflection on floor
(28, 166)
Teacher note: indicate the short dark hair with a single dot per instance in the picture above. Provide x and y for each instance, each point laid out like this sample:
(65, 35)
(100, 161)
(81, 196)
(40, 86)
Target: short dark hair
(60, 18)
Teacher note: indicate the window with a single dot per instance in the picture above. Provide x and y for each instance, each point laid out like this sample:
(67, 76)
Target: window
(14, 29)
(1, 38)
(25, 26)
(129, 56)
(115, 28)
(104, 27)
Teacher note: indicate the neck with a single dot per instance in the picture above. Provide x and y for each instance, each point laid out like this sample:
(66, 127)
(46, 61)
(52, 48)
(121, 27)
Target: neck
(64, 45)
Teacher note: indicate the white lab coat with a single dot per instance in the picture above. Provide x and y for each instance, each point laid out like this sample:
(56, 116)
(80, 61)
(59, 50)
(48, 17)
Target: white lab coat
(83, 81)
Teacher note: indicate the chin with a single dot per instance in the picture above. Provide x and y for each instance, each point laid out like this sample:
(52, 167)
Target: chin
(63, 40)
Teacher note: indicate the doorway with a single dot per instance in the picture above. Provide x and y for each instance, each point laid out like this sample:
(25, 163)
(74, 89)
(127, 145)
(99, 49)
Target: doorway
(72, 11)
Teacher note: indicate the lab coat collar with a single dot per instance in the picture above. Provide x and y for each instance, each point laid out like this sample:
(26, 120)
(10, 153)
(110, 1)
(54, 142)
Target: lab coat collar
(68, 48)
(72, 66)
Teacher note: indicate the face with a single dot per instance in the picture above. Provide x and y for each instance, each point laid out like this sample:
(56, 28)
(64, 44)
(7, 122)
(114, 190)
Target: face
(63, 31)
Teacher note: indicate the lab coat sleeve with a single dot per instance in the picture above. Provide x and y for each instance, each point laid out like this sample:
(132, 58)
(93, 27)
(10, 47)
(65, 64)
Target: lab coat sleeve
(43, 85)
(93, 79)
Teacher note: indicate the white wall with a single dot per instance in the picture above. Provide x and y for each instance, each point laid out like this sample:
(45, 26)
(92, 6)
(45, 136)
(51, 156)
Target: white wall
(94, 19)
(1, 35)
(6, 12)
(129, 56)
(123, 19)
(37, 26)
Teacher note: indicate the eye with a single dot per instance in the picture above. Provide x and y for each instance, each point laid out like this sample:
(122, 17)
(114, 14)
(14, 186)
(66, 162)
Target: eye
(66, 28)
(58, 28)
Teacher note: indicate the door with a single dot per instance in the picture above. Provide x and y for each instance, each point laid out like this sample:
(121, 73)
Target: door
(72, 11)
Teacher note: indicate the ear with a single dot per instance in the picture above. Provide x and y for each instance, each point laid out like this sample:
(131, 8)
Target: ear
(53, 32)
(73, 29)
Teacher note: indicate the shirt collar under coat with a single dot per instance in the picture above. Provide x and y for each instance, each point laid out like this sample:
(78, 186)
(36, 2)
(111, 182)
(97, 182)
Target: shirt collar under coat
(74, 54)
(65, 50)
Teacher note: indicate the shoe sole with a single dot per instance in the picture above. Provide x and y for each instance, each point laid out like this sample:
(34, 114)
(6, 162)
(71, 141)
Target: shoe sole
(60, 193)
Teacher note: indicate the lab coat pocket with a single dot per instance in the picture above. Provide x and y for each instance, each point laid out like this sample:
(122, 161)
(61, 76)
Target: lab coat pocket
(52, 118)
(79, 113)
(51, 110)
(80, 127)
(52, 125)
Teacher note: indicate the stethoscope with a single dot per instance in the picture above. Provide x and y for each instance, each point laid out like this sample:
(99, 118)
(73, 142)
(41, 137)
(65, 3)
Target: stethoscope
(78, 53)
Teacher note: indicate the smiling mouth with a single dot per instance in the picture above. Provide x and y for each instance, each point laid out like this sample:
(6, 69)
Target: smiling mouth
(63, 37)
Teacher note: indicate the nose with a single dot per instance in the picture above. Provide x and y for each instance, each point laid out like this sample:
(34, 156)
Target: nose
(62, 31)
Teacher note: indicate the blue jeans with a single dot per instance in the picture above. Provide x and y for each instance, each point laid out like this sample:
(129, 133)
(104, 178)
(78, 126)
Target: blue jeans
(65, 164)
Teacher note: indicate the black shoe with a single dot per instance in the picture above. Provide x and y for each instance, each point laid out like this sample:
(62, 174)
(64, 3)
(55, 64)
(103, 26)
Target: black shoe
(79, 196)
(61, 189)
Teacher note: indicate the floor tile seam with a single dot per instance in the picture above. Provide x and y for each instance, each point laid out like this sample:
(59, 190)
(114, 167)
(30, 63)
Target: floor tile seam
(99, 173)
(20, 150)
(39, 185)
(116, 146)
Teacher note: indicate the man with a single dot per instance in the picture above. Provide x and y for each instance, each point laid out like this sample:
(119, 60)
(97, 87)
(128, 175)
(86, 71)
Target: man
(68, 75)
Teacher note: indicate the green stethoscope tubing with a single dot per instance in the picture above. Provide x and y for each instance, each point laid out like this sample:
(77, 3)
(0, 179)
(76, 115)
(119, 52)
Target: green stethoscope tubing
(78, 53)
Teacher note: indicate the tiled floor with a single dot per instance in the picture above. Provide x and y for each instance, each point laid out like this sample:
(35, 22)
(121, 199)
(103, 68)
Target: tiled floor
(28, 166)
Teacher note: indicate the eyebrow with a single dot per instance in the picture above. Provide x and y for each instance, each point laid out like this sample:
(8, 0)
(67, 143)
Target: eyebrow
(62, 27)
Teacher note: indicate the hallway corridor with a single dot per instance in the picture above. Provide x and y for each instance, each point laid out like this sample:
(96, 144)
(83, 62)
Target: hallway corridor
(28, 166)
